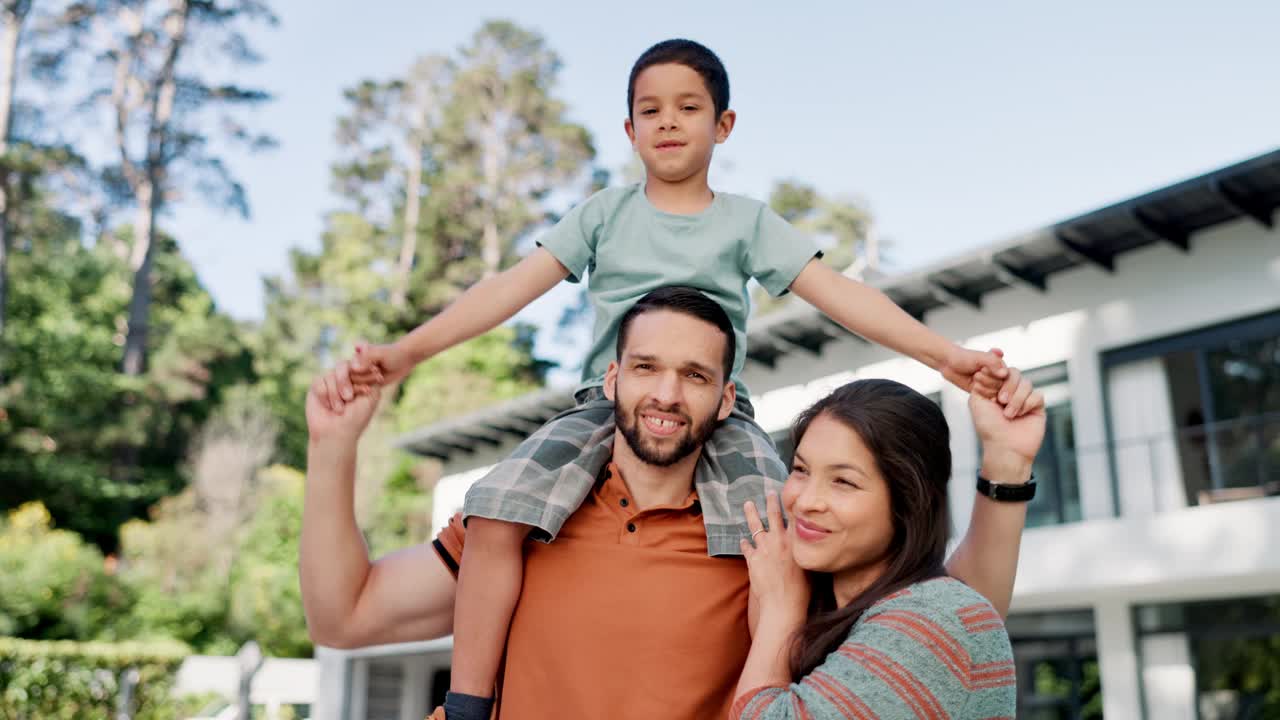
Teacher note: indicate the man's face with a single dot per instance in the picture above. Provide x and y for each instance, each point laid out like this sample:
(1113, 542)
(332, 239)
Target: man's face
(668, 388)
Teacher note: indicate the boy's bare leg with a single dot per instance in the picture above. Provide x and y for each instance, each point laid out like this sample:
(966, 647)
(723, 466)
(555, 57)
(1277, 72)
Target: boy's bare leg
(489, 579)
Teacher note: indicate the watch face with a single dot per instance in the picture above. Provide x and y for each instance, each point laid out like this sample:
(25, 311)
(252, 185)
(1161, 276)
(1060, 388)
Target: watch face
(1007, 493)
(1015, 492)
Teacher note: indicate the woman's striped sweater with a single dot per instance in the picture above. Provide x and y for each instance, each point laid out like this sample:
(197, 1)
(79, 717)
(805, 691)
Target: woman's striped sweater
(936, 650)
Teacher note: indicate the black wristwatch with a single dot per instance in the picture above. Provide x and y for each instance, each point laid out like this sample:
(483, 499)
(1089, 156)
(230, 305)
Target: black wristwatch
(1007, 493)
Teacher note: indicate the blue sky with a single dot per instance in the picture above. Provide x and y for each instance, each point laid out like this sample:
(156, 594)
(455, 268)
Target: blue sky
(958, 124)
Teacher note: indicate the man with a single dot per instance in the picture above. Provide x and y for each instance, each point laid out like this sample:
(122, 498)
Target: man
(624, 615)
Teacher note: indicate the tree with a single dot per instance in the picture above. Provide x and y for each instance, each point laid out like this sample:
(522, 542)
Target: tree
(842, 227)
(389, 133)
(181, 563)
(55, 584)
(18, 170)
(227, 457)
(513, 141)
(496, 366)
(846, 226)
(66, 411)
(266, 599)
(170, 566)
(158, 103)
(13, 14)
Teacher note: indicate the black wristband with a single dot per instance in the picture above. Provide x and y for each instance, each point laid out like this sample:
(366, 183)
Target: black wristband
(1007, 493)
(459, 706)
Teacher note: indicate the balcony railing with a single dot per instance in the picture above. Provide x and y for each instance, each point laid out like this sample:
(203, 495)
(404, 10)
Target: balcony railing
(1229, 460)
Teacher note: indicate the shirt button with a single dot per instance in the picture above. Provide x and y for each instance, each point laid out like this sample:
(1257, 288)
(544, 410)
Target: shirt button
(624, 502)
(631, 527)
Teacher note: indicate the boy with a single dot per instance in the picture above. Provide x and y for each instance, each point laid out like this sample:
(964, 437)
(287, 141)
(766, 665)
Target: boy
(670, 230)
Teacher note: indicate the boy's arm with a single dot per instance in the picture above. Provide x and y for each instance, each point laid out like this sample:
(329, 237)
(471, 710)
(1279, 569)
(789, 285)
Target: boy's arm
(870, 313)
(483, 306)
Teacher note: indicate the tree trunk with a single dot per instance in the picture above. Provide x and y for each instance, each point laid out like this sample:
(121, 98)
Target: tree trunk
(491, 250)
(491, 254)
(149, 192)
(409, 240)
(13, 17)
(871, 243)
(141, 261)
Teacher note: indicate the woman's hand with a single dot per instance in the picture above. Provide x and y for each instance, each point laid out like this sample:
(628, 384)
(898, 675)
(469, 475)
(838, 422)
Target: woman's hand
(778, 584)
(1009, 446)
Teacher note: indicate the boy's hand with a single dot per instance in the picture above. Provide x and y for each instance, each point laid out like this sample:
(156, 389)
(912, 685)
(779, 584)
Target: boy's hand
(379, 364)
(973, 371)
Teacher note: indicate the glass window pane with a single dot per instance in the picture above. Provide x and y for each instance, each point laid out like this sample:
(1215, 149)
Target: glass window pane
(1244, 378)
(1238, 677)
(1234, 652)
(1057, 663)
(1058, 489)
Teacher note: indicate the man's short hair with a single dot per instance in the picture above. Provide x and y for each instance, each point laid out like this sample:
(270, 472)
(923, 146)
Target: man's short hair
(696, 57)
(688, 301)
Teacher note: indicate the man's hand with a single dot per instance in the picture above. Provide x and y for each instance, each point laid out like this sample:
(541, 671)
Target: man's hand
(349, 413)
(975, 371)
(343, 383)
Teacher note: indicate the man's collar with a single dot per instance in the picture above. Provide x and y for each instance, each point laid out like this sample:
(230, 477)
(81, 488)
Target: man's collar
(613, 489)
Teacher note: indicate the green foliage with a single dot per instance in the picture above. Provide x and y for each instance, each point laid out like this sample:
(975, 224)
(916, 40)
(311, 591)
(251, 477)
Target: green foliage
(401, 514)
(1245, 668)
(493, 367)
(215, 581)
(80, 681)
(266, 600)
(179, 591)
(490, 140)
(67, 416)
(54, 583)
(841, 227)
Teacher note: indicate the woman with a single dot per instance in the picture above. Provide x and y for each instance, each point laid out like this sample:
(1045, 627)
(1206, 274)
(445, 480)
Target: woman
(877, 630)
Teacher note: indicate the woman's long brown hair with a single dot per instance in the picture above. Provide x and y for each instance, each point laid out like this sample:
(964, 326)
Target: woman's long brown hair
(910, 440)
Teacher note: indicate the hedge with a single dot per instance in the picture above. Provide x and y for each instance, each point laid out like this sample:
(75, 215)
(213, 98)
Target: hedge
(66, 680)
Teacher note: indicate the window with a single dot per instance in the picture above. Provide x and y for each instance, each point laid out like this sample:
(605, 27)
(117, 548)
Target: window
(1057, 498)
(382, 699)
(1196, 417)
(440, 681)
(1056, 656)
(1221, 658)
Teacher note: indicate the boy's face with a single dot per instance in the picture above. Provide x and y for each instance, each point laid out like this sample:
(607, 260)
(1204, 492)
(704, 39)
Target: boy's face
(673, 122)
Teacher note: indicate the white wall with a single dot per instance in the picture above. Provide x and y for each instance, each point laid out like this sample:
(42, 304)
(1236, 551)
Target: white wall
(1211, 551)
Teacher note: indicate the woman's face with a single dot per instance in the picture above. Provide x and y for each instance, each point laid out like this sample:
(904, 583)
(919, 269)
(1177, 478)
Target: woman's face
(838, 502)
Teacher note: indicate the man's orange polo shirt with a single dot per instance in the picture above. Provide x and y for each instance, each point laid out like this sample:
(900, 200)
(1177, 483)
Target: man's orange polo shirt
(623, 616)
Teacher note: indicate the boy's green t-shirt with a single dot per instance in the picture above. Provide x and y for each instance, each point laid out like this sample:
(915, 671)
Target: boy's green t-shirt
(626, 247)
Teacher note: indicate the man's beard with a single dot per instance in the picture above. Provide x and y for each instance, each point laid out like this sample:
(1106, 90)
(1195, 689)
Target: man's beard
(695, 435)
